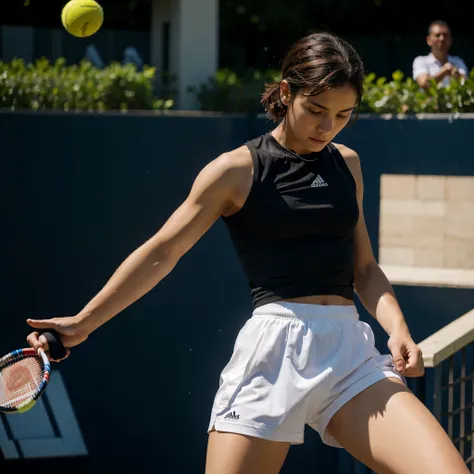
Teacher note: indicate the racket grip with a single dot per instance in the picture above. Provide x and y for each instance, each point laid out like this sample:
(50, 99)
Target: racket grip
(56, 349)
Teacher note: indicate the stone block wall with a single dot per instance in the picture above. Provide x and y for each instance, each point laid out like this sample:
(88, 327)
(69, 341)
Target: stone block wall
(427, 221)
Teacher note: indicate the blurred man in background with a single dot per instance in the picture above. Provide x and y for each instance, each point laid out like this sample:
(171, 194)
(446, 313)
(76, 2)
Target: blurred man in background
(439, 64)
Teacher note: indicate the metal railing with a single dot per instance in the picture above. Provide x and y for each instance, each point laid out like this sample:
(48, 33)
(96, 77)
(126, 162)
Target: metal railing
(447, 388)
(449, 354)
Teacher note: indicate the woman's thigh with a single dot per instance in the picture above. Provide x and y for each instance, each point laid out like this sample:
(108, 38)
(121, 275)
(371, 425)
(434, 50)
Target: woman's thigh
(230, 453)
(391, 431)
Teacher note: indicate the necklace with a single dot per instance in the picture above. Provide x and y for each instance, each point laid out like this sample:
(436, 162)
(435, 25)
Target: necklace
(296, 155)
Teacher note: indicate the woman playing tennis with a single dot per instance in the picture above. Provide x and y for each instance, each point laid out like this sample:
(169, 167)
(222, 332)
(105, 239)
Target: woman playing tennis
(292, 200)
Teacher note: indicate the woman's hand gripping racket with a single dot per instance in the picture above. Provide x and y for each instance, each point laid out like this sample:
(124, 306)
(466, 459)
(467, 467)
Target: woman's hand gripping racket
(25, 373)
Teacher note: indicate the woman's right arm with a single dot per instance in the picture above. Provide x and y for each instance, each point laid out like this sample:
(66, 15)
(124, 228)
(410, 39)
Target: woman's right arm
(218, 188)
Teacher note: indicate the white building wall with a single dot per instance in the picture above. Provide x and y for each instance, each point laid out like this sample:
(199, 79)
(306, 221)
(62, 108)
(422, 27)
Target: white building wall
(193, 43)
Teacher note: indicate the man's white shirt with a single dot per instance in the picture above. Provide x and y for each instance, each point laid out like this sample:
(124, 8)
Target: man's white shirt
(430, 65)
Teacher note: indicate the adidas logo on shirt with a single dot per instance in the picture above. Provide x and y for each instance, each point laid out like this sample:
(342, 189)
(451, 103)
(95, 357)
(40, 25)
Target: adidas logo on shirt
(232, 416)
(319, 182)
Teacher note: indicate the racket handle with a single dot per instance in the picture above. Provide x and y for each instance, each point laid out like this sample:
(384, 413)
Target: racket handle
(56, 349)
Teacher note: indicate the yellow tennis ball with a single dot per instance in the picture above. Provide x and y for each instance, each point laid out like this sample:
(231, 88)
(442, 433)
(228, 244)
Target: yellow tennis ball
(82, 17)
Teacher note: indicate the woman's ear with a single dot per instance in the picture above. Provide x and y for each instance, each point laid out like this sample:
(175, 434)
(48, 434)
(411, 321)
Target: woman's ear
(285, 93)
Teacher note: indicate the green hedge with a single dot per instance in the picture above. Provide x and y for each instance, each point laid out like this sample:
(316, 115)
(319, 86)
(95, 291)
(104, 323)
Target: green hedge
(43, 85)
(82, 87)
(404, 96)
(229, 93)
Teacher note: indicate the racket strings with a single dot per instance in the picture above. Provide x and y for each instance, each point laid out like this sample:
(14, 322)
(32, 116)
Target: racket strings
(20, 380)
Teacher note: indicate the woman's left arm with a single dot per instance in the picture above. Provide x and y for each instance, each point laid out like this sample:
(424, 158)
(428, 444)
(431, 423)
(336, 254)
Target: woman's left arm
(375, 291)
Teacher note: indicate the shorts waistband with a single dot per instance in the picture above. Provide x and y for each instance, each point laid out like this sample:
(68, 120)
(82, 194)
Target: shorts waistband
(285, 309)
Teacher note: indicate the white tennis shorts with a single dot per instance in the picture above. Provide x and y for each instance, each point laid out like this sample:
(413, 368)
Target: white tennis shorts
(295, 364)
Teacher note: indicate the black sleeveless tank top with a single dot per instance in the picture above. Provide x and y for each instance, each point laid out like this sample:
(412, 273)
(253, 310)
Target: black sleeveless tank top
(294, 233)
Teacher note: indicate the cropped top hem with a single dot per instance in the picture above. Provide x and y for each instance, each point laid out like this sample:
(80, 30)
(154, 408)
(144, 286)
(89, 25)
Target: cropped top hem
(270, 297)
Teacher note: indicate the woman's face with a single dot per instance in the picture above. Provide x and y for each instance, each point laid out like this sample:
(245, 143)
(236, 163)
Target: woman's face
(314, 121)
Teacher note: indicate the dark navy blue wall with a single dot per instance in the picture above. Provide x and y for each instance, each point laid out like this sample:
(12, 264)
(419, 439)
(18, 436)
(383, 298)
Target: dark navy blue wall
(81, 192)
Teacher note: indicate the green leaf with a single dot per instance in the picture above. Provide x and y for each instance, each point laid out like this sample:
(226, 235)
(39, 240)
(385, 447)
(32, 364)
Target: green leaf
(397, 76)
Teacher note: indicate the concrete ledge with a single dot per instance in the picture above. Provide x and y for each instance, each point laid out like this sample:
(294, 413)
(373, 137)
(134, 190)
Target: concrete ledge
(124, 113)
(198, 113)
(426, 116)
(447, 341)
(428, 276)
(422, 116)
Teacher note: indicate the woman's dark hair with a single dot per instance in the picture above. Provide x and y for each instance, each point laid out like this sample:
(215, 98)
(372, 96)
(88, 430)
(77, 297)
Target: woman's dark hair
(317, 62)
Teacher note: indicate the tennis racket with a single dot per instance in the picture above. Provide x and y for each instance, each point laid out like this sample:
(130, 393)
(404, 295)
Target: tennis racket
(25, 373)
